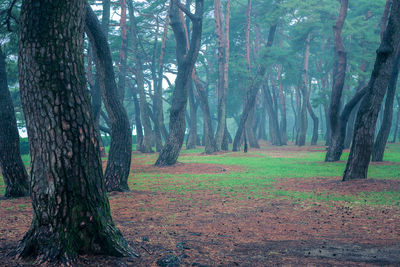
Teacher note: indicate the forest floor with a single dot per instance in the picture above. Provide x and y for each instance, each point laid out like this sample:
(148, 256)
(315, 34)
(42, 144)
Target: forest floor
(271, 206)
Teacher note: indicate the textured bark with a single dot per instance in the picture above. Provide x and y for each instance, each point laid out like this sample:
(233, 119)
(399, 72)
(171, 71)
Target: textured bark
(252, 91)
(363, 139)
(209, 141)
(13, 169)
(119, 158)
(223, 57)
(384, 131)
(339, 75)
(144, 115)
(186, 59)
(71, 210)
(302, 122)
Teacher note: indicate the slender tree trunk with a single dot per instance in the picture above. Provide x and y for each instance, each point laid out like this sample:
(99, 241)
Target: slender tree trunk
(223, 56)
(256, 83)
(138, 121)
(186, 59)
(302, 133)
(283, 123)
(274, 132)
(119, 159)
(295, 116)
(71, 211)
(145, 118)
(122, 53)
(13, 169)
(192, 138)
(361, 148)
(314, 117)
(209, 141)
(339, 75)
(384, 131)
(261, 128)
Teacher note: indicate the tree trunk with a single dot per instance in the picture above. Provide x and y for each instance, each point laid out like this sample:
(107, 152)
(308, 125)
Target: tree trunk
(255, 85)
(302, 132)
(274, 131)
(122, 53)
(138, 122)
(209, 141)
(71, 211)
(282, 127)
(314, 117)
(384, 131)
(192, 138)
(186, 59)
(339, 75)
(363, 139)
(119, 158)
(223, 56)
(13, 169)
(148, 133)
(249, 128)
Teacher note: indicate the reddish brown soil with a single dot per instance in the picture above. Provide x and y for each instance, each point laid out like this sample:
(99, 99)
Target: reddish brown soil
(207, 229)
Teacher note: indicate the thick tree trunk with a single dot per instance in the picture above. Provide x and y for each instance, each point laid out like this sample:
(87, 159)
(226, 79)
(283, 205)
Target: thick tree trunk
(11, 165)
(119, 158)
(146, 146)
(186, 59)
(339, 75)
(361, 148)
(71, 211)
(256, 83)
(209, 141)
(223, 57)
(384, 131)
(250, 129)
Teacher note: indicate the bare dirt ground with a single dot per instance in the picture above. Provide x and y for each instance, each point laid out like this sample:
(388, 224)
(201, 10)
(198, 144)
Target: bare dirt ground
(209, 229)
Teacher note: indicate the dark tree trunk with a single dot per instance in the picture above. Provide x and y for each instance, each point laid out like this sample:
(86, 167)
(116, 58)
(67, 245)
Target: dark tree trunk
(384, 131)
(274, 131)
(144, 115)
(71, 211)
(186, 59)
(314, 138)
(339, 75)
(256, 83)
(361, 147)
(250, 129)
(209, 141)
(192, 138)
(261, 129)
(350, 127)
(119, 158)
(11, 165)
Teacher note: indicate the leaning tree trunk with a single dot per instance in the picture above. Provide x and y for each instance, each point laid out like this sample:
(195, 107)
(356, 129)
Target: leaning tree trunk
(11, 165)
(71, 211)
(146, 146)
(119, 159)
(255, 85)
(384, 131)
(192, 138)
(361, 148)
(186, 59)
(209, 141)
(314, 138)
(339, 75)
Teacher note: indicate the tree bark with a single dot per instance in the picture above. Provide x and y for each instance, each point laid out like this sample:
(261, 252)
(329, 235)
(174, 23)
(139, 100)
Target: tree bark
(283, 127)
(384, 131)
(302, 132)
(363, 139)
(119, 158)
(223, 57)
(13, 169)
(255, 85)
(339, 75)
(192, 138)
(138, 122)
(396, 129)
(186, 59)
(314, 138)
(146, 146)
(122, 53)
(209, 141)
(71, 211)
